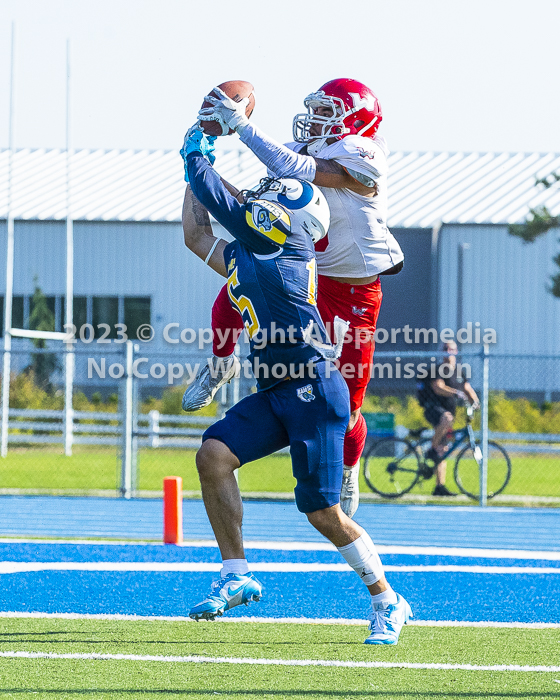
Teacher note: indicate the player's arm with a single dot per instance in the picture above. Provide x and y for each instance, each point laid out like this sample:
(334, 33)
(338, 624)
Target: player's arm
(198, 235)
(329, 173)
(209, 190)
(284, 162)
(232, 190)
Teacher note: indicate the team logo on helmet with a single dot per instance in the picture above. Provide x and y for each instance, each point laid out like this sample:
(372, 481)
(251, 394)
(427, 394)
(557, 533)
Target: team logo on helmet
(366, 101)
(305, 393)
(270, 220)
(262, 219)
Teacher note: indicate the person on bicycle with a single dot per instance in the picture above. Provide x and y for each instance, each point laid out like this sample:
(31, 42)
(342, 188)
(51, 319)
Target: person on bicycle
(439, 398)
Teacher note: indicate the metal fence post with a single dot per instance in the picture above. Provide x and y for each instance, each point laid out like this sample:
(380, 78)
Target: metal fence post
(129, 426)
(134, 426)
(68, 399)
(6, 392)
(8, 298)
(484, 428)
(154, 428)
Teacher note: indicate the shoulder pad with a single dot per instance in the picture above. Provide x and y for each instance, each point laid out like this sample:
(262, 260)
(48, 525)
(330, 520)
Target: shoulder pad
(358, 154)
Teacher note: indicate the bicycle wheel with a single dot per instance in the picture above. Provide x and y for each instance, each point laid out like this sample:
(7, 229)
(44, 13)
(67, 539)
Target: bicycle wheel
(391, 467)
(467, 470)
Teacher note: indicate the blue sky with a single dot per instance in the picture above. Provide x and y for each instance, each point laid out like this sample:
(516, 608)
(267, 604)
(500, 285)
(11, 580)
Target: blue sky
(451, 76)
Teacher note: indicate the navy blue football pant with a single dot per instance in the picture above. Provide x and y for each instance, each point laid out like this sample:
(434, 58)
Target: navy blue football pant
(309, 415)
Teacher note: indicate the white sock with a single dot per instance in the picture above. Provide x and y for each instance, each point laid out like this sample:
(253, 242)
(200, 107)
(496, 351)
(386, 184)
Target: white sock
(234, 566)
(353, 466)
(350, 475)
(227, 360)
(362, 556)
(388, 597)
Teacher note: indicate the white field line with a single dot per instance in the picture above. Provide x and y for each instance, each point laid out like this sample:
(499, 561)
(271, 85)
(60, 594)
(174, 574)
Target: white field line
(277, 662)
(318, 547)
(277, 620)
(15, 567)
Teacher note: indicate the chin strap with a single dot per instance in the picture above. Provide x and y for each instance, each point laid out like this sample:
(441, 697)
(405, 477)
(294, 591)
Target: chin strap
(315, 147)
(328, 351)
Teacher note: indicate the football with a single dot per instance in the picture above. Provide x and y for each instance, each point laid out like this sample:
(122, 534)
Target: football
(236, 90)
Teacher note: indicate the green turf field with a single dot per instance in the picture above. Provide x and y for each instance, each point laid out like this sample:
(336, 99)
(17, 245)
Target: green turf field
(87, 678)
(41, 468)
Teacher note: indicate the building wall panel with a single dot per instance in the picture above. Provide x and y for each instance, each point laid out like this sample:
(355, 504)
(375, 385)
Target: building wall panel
(115, 258)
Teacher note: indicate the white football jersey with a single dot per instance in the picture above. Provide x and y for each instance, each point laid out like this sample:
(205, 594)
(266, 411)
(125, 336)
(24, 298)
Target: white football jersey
(359, 242)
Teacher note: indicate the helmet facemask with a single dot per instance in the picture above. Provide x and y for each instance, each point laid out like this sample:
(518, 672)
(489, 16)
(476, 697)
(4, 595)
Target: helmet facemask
(330, 127)
(266, 184)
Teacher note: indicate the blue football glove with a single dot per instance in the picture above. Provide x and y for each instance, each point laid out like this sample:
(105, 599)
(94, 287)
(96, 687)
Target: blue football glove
(197, 140)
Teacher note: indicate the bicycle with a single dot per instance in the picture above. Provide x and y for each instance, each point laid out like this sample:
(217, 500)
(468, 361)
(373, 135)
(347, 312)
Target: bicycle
(393, 465)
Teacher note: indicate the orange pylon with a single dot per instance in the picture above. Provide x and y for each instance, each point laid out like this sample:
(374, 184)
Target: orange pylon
(173, 510)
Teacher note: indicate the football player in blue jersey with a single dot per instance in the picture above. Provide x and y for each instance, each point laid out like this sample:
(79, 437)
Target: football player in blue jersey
(302, 400)
(337, 147)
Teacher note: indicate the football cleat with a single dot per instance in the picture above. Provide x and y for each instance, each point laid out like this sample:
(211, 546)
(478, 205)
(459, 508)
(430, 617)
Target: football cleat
(216, 372)
(350, 492)
(387, 622)
(227, 593)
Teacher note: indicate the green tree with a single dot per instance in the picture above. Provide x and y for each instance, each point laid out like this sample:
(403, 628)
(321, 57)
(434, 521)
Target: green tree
(539, 222)
(43, 364)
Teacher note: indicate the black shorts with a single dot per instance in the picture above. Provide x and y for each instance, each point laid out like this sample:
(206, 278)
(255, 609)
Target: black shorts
(434, 413)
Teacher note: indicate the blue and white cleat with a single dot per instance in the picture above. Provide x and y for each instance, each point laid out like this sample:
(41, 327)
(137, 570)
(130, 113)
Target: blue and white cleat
(387, 622)
(227, 593)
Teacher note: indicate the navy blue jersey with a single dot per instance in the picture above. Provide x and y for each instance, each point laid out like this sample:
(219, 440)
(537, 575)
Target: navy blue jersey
(272, 276)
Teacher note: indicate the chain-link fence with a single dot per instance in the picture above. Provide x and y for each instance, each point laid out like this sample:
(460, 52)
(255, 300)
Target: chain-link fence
(517, 426)
(126, 430)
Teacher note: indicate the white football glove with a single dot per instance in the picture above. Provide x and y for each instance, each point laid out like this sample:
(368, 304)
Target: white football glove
(229, 114)
(462, 396)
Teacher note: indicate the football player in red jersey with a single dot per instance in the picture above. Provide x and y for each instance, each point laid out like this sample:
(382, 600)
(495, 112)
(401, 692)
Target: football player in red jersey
(337, 148)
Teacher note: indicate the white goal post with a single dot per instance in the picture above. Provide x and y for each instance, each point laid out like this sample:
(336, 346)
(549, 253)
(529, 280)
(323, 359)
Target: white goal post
(10, 332)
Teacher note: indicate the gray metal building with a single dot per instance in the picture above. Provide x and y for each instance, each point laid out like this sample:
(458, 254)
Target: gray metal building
(449, 211)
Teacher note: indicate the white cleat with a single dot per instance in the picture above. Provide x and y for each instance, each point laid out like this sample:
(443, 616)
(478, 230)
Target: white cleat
(387, 622)
(350, 492)
(216, 372)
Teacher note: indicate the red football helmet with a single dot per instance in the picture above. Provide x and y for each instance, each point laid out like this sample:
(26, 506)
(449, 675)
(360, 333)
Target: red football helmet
(354, 110)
